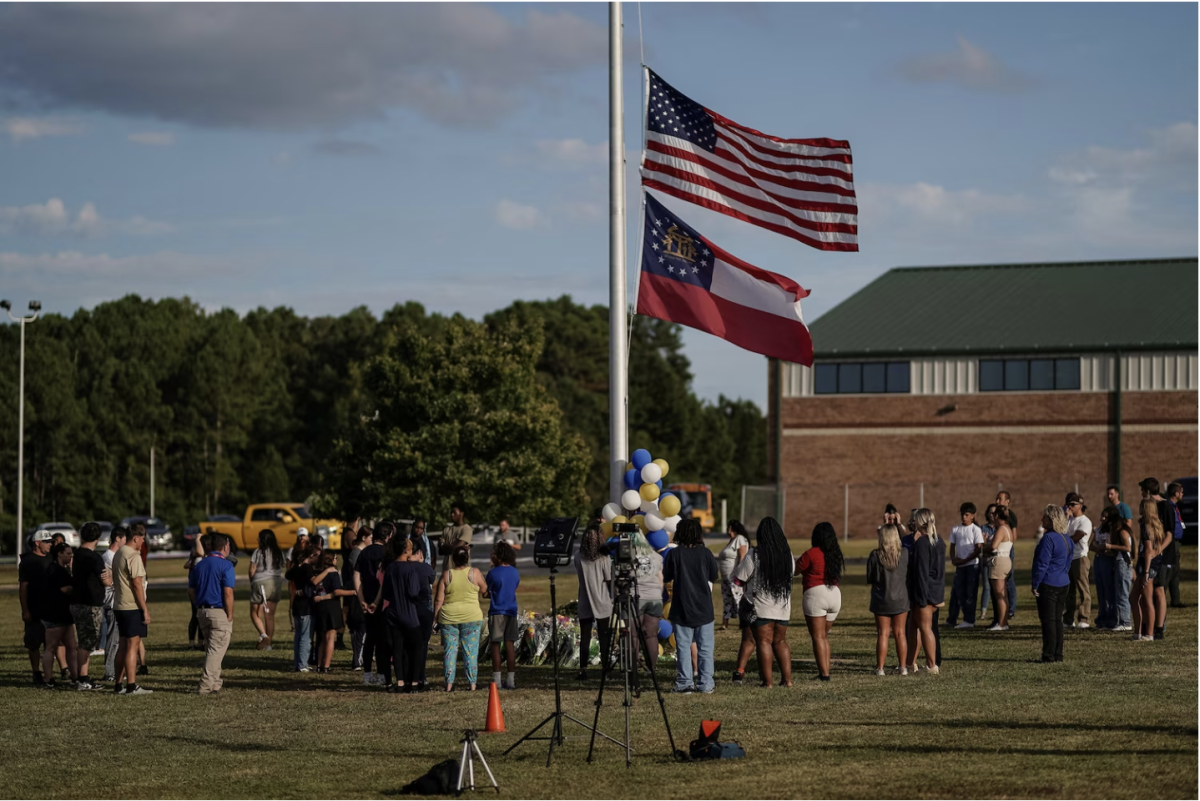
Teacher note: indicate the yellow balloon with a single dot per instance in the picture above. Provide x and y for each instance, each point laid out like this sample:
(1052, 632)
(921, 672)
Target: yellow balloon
(649, 492)
(606, 528)
(641, 522)
(663, 466)
(669, 506)
(620, 519)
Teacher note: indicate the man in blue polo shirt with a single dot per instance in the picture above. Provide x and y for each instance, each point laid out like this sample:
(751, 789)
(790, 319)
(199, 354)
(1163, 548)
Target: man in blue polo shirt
(210, 587)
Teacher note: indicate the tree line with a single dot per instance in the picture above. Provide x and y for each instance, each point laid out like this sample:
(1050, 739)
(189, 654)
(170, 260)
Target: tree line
(403, 413)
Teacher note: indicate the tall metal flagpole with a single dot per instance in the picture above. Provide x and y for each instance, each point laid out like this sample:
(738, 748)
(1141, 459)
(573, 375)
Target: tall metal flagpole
(618, 349)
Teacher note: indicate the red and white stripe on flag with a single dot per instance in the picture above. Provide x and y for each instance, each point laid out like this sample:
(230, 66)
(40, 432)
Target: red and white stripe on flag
(801, 188)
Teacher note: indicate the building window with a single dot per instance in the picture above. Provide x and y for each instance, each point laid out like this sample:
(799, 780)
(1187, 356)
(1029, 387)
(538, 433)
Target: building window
(855, 378)
(1019, 375)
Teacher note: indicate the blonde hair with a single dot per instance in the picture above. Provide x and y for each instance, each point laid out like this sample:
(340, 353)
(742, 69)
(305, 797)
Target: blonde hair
(926, 522)
(1058, 518)
(1153, 523)
(889, 546)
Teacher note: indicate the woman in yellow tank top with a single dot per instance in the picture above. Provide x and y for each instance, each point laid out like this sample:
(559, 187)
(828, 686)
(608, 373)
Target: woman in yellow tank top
(459, 615)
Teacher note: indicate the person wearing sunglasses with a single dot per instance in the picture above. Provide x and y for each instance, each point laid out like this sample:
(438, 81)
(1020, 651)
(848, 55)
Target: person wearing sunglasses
(1079, 599)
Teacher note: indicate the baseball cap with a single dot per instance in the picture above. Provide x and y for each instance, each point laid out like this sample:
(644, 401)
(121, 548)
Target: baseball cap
(302, 532)
(41, 535)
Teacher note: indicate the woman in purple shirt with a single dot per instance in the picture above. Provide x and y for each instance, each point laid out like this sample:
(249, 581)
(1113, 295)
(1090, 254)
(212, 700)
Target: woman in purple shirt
(1051, 563)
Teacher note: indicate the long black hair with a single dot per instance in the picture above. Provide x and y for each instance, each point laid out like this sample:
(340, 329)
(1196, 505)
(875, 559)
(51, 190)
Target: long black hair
(593, 538)
(825, 538)
(773, 560)
(738, 529)
(272, 557)
(689, 533)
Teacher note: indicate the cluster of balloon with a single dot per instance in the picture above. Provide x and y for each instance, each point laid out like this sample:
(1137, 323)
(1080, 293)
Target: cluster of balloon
(644, 502)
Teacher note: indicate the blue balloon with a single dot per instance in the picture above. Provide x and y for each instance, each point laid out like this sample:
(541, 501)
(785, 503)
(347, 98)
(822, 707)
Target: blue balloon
(665, 494)
(665, 629)
(641, 458)
(632, 480)
(659, 485)
(658, 539)
(612, 542)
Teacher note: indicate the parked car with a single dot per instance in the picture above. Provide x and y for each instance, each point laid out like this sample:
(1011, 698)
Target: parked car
(105, 534)
(158, 533)
(66, 529)
(1187, 509)
(188, 537)
(282, 518)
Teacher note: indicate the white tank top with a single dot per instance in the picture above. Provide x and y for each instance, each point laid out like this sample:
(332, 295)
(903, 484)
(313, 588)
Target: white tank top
(1005, 549)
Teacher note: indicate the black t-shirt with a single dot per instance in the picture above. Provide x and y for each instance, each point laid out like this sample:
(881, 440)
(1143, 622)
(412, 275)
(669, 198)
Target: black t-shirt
(402, 586)
(370, 561)
(56, 607)
(86, 570)
(33, 572)
(1012, 519)
(301, 576)
(691, 569)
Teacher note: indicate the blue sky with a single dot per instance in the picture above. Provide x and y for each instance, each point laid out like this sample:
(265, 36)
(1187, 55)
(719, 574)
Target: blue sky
(323, 157)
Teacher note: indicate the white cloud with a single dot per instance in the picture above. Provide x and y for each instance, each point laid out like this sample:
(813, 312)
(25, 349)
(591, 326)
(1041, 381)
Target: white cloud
(971, 66)
(935, 204)
(152, 138)
(1123, 196)
(72, 264)
(512, 214)
(572, 152)
(21, 128)
(52, 218)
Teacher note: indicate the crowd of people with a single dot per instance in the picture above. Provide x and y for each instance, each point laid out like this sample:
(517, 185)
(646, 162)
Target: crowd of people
(391, 596)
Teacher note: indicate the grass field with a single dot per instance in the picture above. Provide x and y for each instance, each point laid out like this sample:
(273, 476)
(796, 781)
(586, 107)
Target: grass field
(1117, 719)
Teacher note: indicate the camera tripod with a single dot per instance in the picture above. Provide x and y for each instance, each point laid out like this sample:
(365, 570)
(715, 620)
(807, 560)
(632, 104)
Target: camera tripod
(466, 762)
(625, 622)
(556, 736)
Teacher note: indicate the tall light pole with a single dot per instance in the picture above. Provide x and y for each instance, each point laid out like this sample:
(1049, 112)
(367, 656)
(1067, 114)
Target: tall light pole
(35, 307)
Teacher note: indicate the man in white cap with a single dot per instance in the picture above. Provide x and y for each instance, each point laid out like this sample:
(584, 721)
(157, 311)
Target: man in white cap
(31, 575)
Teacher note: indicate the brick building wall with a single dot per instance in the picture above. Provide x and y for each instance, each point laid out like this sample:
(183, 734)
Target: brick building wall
(1037, 446)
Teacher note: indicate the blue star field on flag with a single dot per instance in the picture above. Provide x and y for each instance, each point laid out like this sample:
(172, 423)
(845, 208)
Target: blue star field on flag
(674, 114)
(673, 249)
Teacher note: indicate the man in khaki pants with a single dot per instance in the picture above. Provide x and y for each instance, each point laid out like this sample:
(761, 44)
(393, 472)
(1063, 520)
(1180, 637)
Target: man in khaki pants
(1079, 528)
(210, 587)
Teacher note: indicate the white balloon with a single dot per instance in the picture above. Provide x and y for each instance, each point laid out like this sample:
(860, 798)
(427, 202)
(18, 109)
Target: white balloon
(671, 523)
(610, 511)
(631, 499)
(654, 522)
(649, 506)
(651, 473)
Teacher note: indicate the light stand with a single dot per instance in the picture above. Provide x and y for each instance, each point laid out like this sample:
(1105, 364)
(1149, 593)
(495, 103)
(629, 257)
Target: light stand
(556, 736)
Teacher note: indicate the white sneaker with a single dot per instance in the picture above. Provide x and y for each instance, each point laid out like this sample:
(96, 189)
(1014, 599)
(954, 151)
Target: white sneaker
(998, 627)
(965, 625)
(1082, 625)
(881, 673)
(1123, 628)
(933, 670)
(98, 652)
(138, 690)
(903, 671)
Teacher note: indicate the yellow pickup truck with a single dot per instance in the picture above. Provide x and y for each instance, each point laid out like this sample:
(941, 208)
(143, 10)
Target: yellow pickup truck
(282, 518)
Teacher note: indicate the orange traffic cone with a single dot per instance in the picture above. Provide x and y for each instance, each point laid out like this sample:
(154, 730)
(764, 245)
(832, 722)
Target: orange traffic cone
(495, 716)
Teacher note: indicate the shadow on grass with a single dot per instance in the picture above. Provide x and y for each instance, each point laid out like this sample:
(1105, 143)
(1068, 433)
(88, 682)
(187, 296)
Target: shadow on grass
(1067, 752)
(1178, 731)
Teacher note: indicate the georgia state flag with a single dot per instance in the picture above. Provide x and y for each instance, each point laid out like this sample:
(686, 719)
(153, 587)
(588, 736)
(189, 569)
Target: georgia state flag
(686, 279)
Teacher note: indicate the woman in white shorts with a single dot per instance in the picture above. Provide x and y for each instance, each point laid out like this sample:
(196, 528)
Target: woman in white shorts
(266, 581)
(820, 569)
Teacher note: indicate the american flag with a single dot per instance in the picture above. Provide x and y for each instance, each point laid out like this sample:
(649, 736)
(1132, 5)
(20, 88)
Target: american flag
(802, 188)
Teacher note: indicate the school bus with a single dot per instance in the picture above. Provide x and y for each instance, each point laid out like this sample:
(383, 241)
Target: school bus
(699, 498)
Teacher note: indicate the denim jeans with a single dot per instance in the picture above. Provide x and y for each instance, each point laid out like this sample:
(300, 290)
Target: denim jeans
(1104, 569)
(962, 594)
(703, 635)
(302, 647)
(1122, 582)
(986, 599)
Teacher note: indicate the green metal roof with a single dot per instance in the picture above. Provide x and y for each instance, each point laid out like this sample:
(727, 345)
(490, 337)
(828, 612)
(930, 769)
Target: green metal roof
(1016, 308)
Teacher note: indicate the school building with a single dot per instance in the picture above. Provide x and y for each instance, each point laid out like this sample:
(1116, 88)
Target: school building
(938, 385)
